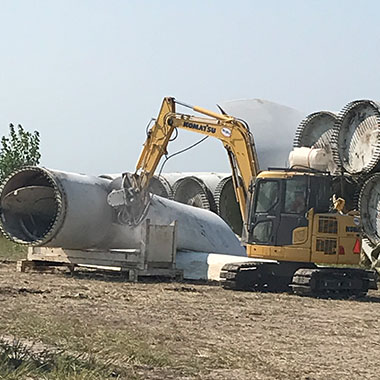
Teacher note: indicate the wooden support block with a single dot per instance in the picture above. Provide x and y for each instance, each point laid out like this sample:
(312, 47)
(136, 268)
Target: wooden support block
(22, 265)
(179, 275)
(133, 275)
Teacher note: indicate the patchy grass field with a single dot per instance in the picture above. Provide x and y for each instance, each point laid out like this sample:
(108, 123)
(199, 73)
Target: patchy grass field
(11, 251)
(55, 326)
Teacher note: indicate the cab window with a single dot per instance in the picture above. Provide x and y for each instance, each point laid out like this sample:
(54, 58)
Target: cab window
(262, 232)
(267, 196)
(295, 195)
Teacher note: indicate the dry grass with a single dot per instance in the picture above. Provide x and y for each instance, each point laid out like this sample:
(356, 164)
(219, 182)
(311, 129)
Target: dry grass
(20, 360)
(95, 327)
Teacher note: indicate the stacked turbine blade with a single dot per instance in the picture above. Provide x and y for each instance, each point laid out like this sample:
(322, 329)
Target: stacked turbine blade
(194, 192)
(357, 140)
(369, 206)
(228, 206)
(353, 139)
(160, 186)
(357, 137)
(313, 126)
(315, 131)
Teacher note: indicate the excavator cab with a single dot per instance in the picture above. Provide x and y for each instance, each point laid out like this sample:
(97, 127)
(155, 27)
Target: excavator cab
(279, 203)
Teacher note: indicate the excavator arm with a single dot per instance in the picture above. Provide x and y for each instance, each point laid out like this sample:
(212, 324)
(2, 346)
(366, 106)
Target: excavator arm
(233, 133)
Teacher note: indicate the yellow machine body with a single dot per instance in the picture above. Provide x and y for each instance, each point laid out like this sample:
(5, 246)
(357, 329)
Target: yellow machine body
(328, 239)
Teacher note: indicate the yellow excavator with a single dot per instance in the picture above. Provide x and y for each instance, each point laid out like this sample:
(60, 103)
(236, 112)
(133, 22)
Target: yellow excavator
(308, 246)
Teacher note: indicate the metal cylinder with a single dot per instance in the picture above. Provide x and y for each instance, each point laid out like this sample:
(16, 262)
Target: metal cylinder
(228, 207)
(42, 207)
(357, 137)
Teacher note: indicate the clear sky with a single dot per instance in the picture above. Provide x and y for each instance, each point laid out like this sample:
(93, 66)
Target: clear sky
(89, 74)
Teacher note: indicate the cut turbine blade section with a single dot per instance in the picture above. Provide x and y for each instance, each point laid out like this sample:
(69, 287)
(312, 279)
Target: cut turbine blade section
(316, 131)
(51, 208)
(369, 206)
(194, 192)
(357, 137)
(228, 207)
(31, 200)
(29, 205)
(312, 127)
(160, 186)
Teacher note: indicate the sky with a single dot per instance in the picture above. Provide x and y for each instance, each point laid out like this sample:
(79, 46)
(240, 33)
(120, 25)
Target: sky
(90, 74)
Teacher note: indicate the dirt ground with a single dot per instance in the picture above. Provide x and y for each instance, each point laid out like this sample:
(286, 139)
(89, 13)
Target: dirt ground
(192, 331)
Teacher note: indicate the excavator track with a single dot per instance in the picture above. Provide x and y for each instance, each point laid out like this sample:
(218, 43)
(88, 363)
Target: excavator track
(334, 282)
(254, 276)
(292, 277)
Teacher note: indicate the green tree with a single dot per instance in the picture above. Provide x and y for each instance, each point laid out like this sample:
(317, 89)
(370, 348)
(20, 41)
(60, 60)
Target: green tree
(19, 149)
